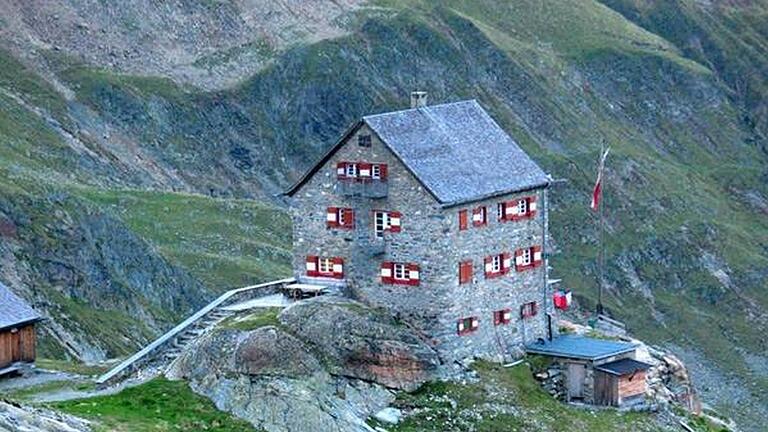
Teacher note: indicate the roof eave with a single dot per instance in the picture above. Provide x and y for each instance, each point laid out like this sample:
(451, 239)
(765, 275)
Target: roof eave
(23, 323)
(581, 357)
(543, 185)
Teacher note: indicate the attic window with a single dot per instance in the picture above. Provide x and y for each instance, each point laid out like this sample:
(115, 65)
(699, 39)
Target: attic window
(351, 170)
(364, 140)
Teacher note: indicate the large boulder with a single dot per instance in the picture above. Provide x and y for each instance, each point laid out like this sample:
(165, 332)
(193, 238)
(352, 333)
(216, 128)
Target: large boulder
(356, 341)
(272, 379)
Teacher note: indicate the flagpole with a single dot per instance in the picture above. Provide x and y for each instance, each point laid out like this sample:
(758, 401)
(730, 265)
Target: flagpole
(601, 263)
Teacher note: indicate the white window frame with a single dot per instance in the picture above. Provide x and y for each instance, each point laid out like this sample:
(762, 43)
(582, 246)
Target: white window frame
(400, 268)
(483, 215)
(496, 264)
(380, 223)
(527, 256)
(500, 211)
(351, 170)
(376, 171)
(325, 265)
(522, 206)
(340, 212)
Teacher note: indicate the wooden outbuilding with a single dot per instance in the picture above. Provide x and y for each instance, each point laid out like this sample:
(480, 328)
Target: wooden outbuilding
(595, 371)
(17, 331)
(620, 382)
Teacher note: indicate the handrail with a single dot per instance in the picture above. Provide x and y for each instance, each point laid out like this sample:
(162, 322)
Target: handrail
(179, 328)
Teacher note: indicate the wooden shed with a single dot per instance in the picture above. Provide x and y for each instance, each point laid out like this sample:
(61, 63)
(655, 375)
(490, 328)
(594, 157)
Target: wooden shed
(620, 382)
(17, 331)
(595, 371)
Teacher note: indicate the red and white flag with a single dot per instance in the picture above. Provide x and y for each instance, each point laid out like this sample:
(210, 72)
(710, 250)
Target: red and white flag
(596, 192)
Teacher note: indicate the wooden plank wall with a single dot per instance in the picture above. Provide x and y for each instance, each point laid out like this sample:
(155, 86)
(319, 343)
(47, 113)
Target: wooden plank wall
(606, 389)
(632, 387)
(17, 346)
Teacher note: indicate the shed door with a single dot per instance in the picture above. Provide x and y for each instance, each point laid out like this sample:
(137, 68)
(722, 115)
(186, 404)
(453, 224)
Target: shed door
(576, 377)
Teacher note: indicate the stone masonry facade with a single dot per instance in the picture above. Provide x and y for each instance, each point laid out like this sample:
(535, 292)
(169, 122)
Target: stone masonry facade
(430, 238)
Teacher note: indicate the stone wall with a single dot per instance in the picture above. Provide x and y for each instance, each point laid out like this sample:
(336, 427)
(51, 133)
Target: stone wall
(429, 237)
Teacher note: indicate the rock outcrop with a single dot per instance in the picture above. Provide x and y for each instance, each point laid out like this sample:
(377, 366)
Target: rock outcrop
(328, 366)
(358, 342)
(16, 418)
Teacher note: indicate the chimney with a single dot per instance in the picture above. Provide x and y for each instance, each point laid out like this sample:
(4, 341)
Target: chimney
(418, 99)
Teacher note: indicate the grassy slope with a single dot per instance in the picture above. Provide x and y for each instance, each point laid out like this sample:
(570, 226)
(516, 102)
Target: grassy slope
(505, 400)
(156, 406)
(226, 243)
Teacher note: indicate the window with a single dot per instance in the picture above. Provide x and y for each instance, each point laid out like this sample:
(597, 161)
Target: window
(479, 216)
(381, 223)
(364, 140)
(502, 317)
(522, 207)
(496, 264)
(400, 273)
(463, 221)
(501, 211)
(343, 218)
(529, 310)
(326, 265)
(384, 221)
(351, 170)
(465, 271)
(376, 172)
(467, 325)
(526, 257)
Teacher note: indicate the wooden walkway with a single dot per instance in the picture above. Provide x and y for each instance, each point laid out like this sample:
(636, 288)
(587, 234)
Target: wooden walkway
(167, 347)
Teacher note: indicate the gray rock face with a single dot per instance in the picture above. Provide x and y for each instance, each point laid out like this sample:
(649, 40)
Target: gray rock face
(326, 368)
(15, 418)
(272, 379)
(358, 342)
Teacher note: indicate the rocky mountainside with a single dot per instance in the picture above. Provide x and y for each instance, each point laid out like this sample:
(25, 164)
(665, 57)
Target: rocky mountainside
(154, 128)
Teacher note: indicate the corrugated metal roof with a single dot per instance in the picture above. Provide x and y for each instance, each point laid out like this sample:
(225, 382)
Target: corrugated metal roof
(14, 310)
(623, 367)
(580, 347)
(457, 151)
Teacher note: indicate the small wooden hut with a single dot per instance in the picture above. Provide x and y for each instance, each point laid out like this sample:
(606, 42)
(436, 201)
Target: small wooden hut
(17, 331)
(595, 371)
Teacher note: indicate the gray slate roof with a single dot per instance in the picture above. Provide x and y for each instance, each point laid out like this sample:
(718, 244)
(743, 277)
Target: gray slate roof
(580, 347)
(457, 151)
(623, 367)
(14, 310)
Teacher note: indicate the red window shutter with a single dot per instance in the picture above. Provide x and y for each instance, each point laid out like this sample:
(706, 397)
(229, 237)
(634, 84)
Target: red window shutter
(511, 211)
(519, 260)
(387, 272)
(534, 308)
(506, 316)
(365, 169)
(332, 217)
(463, 223)
(341, 170)
(383, 168)
(536, 256)
(312, 266)
(532, 206)
(496, 317)
(338, 267)
(414, 275)
(506, 262)
(395, 221)
(478, 216)
(465, 272)
(345, 222)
